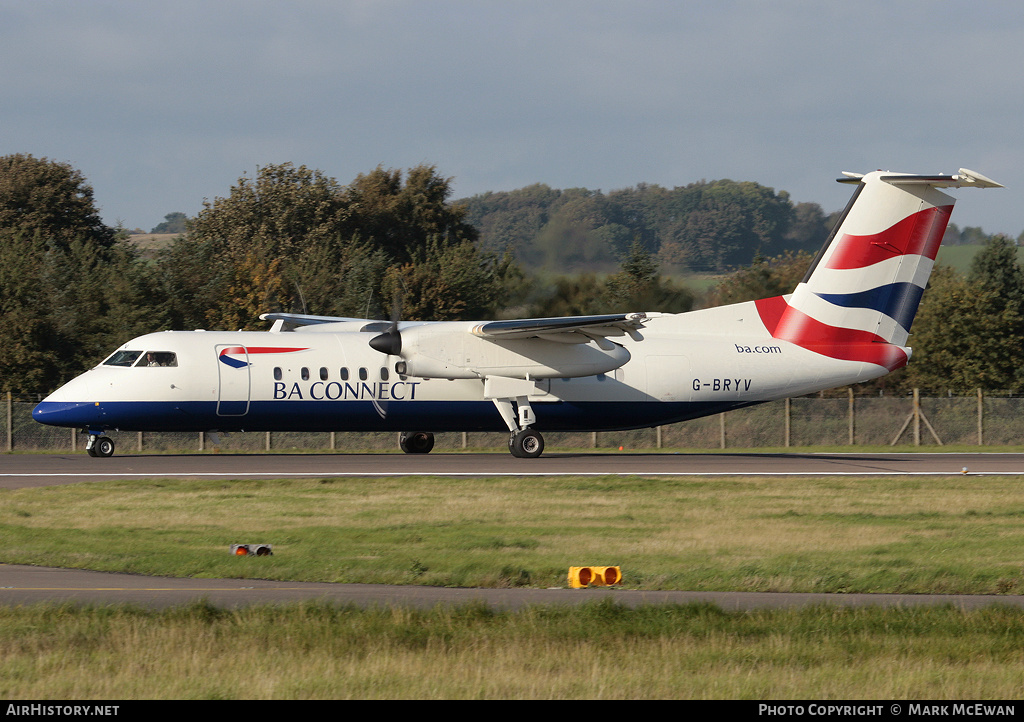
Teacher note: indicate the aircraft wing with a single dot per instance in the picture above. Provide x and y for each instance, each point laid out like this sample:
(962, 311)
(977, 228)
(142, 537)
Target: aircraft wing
(290, 321)
(566, 329)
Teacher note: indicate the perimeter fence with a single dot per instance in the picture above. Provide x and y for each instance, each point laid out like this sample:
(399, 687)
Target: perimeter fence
(980, 420)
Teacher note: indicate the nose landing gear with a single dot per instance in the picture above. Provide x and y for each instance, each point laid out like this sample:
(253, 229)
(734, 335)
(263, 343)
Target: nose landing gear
(97, 445)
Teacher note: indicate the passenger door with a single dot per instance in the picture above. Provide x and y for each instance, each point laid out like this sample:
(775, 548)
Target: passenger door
(233, 380)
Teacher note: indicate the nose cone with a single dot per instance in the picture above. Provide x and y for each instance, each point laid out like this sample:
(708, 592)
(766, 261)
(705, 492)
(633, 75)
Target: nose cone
(68, 406)
(66, 413)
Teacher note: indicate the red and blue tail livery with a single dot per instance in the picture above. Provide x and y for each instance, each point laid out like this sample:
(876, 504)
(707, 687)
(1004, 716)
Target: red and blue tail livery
(848, 321)
(860, 296)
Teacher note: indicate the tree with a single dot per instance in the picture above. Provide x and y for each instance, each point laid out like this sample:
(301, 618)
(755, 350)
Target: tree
(639, 287)
(173, 223)
(402, 218)
(968, 329)
(71, 289)
(38, 195)
(449, 282)
(764, 278)
(636, 287)
(334, 246)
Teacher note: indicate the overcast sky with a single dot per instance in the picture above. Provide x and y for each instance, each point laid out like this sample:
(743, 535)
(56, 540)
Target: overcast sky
(163, 104)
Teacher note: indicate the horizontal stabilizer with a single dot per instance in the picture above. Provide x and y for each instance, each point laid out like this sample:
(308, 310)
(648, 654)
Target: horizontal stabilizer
(963, 179)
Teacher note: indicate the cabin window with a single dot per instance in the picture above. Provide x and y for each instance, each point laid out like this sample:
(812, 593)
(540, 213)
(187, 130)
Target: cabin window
(344, 374)
(323, 373)
(277, 373)
(305, 374)
(384, 375)
(158, 358)
(363, 375)
(122, 358)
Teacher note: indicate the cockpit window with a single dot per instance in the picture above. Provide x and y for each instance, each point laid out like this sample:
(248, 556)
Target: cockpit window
(142, 358)
(158, 358)
(122, 358)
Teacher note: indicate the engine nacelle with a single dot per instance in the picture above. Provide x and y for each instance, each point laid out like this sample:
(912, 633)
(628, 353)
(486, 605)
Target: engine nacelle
(433, 352)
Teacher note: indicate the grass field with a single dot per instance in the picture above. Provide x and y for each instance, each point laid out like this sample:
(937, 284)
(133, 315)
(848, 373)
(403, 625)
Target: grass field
(843, 534)
(957, 534)
(597, 651)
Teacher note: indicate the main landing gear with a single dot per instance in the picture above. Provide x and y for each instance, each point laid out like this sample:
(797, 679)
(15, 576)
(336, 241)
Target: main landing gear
(99, 446)
(523, 442)
(526, 443)
(416, 442)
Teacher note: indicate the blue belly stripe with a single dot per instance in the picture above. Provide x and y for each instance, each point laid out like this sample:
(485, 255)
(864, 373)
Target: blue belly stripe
(362, 416)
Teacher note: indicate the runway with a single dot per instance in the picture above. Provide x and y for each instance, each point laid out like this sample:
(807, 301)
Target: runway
(24, 585)
(29, 585)
(24, 470)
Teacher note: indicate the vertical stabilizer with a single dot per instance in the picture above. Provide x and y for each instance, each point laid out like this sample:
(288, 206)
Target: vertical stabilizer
(859, 297)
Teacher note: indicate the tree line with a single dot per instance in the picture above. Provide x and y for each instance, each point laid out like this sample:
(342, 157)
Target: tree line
(704, 227)
(391, 243)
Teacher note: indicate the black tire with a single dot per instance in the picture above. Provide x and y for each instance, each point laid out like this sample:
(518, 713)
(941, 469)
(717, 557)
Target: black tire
(416, 442)
(104, 447)
(526, 444)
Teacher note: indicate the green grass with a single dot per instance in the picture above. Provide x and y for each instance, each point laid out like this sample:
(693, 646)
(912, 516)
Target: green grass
(960, 257)
(934, 534)
(842, 534)
(595, 651)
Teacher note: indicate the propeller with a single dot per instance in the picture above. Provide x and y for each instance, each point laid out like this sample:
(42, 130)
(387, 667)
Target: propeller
(390, 342)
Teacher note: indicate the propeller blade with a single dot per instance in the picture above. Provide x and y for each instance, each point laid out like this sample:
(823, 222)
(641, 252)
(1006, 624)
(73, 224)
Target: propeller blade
(390, 342)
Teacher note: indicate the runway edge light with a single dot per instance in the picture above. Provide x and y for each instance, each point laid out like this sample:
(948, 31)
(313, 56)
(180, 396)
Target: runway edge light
(259, 550)
(591, 576)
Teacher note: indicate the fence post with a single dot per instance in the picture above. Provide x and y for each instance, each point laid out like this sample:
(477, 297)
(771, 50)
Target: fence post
(657, 436)
(917, 417)
(981, 407)
(721, 429)
(852, 422)
(789, 406)
(10, 423)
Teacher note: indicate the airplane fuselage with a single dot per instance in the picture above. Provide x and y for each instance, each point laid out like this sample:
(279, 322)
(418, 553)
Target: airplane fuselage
(258, 381)
(846, 322)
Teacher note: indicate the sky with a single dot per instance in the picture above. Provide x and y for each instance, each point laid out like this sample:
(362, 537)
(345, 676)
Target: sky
(161, 105)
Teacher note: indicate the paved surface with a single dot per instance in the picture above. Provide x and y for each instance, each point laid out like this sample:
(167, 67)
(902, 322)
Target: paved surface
(29, 585)
(22, 585)
(21, 470)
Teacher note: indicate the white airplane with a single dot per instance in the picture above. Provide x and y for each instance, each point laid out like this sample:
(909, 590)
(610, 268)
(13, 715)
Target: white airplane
(846, 322)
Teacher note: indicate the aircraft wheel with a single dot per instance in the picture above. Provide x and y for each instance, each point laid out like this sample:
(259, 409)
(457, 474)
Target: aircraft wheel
(416, 442)
(526, 444)
(104, 447)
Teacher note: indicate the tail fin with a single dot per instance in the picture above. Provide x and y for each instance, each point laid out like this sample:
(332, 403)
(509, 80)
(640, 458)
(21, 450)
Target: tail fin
(860, 295)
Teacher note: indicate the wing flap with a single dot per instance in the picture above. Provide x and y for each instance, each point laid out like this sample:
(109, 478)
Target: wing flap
(566, 329)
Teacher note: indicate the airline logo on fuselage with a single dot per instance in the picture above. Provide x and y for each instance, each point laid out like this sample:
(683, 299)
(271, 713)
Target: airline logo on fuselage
(229, 356)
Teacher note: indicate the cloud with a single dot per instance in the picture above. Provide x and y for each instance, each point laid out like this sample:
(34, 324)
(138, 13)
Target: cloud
(163, 104)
